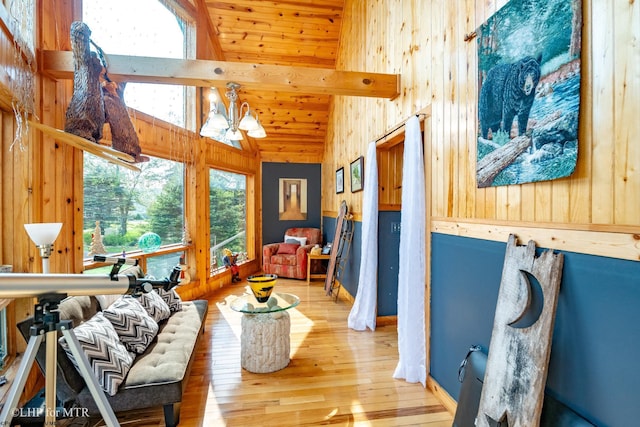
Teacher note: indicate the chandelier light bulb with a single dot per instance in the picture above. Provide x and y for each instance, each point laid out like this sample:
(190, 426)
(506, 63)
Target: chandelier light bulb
(234, 121)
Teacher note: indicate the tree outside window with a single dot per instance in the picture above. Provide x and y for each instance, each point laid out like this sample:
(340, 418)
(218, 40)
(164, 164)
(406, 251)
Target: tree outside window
(227, 204)
(128, 204)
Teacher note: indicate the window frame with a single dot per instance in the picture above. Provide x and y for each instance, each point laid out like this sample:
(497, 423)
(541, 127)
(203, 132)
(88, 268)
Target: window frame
(214, 271)
(142, 257)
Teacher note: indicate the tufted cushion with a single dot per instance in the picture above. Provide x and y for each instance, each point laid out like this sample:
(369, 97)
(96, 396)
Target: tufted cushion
(107, 356)
(132, 323)
(167, 358)
(155, 306)
(138, 389)
(288, 248)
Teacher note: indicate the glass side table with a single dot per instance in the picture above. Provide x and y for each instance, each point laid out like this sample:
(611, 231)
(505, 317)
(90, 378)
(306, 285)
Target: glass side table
(265, 337)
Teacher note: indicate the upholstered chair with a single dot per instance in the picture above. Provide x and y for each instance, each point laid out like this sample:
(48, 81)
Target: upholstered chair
(289, 258)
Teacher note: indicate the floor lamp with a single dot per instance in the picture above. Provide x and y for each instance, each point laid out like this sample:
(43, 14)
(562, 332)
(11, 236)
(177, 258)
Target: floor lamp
(43, 235)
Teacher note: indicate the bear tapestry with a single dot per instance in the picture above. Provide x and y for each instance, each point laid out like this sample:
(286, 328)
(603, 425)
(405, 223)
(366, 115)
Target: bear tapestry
(529, 92)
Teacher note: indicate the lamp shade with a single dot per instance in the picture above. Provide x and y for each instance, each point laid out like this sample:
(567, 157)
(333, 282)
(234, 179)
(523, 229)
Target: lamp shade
(233, 135)
(43, 233)
(248, 122)
(259, 132)
(208, 130)
(219, 121)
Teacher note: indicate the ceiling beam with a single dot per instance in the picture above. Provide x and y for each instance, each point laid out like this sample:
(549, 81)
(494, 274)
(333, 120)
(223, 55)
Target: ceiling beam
(202, 73)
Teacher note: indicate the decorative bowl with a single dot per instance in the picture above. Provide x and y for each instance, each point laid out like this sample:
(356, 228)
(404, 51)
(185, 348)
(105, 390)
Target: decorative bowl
(262, 286)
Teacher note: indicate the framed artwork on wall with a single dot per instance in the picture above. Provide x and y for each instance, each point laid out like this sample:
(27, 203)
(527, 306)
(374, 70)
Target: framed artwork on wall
(340, 181)
(292, 203)
(357, 174)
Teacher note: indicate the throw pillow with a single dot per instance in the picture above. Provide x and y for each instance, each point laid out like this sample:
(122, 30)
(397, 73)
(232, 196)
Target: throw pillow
(293, 239)
(107, 356)
(288, 248)
(106, 300)
(132, 323)
(172, 299)
(155, 306)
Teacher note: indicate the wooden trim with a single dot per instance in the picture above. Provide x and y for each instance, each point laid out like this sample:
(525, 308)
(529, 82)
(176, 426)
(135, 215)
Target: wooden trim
(386, 320)
(621, 242)
(396, 136)
(102, 151)
(188, 72)
(390, 207)
(139, 255)
(210, 37)
(442, 395)
(427, 162)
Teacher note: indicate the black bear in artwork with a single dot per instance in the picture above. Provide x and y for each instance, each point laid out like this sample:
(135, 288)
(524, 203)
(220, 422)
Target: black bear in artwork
(508, 91)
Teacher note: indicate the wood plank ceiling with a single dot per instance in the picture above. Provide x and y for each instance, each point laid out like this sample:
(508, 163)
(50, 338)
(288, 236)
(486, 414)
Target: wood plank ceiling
(294, 33)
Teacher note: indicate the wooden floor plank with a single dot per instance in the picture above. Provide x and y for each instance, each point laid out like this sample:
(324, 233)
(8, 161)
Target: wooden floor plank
(337, 376)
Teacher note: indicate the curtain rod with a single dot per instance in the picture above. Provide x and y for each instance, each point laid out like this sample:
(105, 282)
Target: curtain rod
(398, 127)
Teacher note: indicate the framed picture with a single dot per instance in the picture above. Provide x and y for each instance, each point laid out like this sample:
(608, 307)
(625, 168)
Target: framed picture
(340, 181)
(357, 174)
(292, 203)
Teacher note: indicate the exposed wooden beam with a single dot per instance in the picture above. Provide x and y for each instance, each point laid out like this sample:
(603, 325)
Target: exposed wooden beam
(59, 64)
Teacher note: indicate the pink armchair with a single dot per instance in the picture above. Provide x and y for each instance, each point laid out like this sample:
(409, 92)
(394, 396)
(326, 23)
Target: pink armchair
(289, 258)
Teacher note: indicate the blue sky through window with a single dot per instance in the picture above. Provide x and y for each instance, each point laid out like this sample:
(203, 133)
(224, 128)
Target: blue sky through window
(141, 28)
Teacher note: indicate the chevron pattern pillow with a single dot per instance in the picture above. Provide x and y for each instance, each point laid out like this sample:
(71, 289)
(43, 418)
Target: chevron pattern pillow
(155, 306)
(172, 299)
(132, 323)
(107, 356)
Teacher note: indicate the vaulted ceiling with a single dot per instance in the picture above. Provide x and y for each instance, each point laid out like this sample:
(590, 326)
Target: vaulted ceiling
(294, 33)
(282, 53)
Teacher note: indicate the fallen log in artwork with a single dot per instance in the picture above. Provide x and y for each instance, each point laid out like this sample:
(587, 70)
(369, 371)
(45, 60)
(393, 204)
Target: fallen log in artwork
(494, 162)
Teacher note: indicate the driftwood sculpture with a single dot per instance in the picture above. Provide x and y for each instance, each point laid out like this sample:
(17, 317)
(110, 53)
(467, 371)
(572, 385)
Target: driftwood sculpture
(520, 347)
(123, 135)
(85, 113)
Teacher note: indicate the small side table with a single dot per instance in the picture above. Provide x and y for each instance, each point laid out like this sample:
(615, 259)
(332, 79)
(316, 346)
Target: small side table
(265, 336)
(315, 275)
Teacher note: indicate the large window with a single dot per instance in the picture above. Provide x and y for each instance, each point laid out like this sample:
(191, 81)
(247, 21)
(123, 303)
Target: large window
(227, 204)
(128, 204)
(121, 206)
(141, 28)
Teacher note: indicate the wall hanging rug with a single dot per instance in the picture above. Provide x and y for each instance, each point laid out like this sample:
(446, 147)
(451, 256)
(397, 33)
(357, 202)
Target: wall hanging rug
(528, 92)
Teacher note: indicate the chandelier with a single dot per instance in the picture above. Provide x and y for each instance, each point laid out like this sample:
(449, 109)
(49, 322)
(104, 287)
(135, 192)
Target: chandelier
(217, 122)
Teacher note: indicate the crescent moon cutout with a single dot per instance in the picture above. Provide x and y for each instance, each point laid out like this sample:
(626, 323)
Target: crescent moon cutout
(502, 422)
(535, 302)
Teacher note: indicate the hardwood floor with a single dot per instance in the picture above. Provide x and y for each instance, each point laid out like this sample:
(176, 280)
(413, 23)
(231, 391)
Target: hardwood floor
(337, 376)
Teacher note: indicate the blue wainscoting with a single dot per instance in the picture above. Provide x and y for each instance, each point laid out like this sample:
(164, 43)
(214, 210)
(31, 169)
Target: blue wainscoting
(596, 341)
(388, 249)
(388, 262)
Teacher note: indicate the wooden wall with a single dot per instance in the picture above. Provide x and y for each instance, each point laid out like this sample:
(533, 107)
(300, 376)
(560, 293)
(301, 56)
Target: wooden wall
(43, 183)
(596, 210)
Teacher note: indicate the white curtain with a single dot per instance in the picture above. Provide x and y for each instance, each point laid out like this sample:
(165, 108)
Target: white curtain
(363, 313)
(411, 274)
